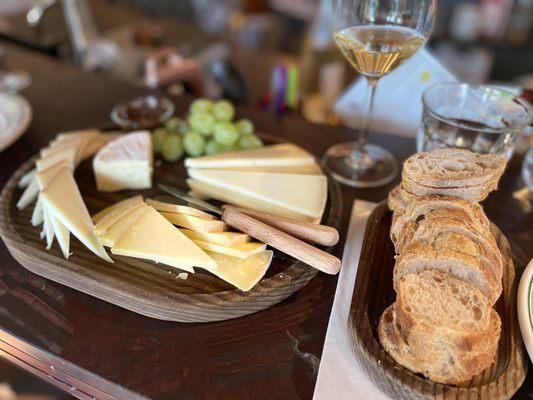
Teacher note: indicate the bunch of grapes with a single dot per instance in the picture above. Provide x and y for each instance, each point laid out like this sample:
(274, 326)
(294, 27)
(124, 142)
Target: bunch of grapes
(209, 129)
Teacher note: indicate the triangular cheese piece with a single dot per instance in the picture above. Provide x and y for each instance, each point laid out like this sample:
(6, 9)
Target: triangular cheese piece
(37, 217)
(113, 232)
(125, 163)
(101, 214)
(96, 143)
(242, 273)
(152, 237)
(45, 177)
(112, 216)
(304, 194)
(29, 195)
(304, 169)
(79, 134)
(61, 233)
(48, 229)
(26, 179)
(68, 154)
(282, 155)
(63, 198)
(178, 209)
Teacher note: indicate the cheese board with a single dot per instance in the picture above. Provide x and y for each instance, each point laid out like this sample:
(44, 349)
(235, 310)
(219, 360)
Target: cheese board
(142, 286)
(374, 292)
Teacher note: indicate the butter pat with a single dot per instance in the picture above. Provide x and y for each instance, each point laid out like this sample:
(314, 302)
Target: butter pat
(125, 163)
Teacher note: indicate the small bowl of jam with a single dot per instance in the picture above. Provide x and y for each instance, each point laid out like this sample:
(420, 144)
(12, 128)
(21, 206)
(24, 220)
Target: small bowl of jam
(145, 112)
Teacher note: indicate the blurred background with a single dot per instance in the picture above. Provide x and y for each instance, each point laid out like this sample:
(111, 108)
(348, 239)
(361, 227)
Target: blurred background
(207, 47)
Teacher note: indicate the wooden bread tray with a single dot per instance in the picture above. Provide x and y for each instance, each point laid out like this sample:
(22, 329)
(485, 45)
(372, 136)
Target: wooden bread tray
(373, 293)
(143, 286)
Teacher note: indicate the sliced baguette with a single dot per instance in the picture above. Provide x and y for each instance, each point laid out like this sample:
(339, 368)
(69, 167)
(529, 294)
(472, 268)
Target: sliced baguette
(399, 199)
(471, 193)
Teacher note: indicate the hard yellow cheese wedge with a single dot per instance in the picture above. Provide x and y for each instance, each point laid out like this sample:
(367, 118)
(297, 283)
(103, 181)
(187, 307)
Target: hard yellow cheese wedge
(152, 237)
(68, 154)
(113, 215)
(223, 238)
(102, 213)
(114, 231)
(178, 209)
(195, 223)
(243, 250)
(242, 273)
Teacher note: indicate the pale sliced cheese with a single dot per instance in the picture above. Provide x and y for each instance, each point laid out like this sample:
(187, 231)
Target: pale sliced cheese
(62, 197)
(45, 177)
(113, 215)
(61, 233)
(125, 163)
(101, 214)
(282, 155)
(223, 238)
(29, 195)
(113, 232)
(68, 154)
(96, 143)
(82, 133)
(243, 273)
(243, 250)
(77, 145)
(304, 169)
(37, 217)
(177, 208)
(48, 229)
(195, 223)
(26, 179)
(152, 237)
(303, 194)
(227, 196)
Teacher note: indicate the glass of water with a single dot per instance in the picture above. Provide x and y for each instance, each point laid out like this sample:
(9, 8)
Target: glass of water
(477, 118)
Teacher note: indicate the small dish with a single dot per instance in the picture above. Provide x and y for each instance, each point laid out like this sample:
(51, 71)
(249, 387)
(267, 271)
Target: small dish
(525, 307)
(15, 116)
(145, 112)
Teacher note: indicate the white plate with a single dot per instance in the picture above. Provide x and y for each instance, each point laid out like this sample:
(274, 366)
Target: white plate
(15, 116)
(525, 307)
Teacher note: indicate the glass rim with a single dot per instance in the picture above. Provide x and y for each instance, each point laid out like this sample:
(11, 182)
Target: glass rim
(526, 106)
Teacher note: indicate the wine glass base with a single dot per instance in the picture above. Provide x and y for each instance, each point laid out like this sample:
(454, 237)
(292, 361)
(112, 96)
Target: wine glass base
(379, 167)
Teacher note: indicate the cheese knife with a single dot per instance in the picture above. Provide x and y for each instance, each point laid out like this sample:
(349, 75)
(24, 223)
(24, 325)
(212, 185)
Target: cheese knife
(275, 231)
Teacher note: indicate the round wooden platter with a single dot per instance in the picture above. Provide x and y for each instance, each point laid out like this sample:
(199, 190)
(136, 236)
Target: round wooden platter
(142, 286)
(373, 293)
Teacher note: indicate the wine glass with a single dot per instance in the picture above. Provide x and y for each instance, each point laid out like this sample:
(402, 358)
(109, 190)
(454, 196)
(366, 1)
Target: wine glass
(375, 36)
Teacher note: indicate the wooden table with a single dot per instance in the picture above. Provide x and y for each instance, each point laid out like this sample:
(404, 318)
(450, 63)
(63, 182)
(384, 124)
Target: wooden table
(94, 349)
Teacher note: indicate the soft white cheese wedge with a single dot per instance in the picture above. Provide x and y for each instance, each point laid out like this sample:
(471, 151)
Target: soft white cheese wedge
(125, 163)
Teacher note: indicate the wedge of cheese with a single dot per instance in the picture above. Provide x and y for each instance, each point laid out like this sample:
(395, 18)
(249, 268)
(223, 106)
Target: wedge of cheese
(302, 194)
(304, 169)
(26, 179)
(102, 213)
(243, 250)
(223, 238)
(48, 229)
(62, 197)
(37, 217)
(68, 154)
(227, 196)
(114, 231)
(178, 209)
(61, 234)
(96, 143)
(29, 195)
(195, 223)
(113, 215)
(152, 237)
(243, 273)
(281, 155)
(125, 163)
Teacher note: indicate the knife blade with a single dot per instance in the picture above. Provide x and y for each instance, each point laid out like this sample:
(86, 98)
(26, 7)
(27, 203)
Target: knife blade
(180, 194)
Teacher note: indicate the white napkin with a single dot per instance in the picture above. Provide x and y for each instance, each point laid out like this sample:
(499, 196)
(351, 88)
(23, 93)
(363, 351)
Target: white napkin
(398, 99)
(340, 376)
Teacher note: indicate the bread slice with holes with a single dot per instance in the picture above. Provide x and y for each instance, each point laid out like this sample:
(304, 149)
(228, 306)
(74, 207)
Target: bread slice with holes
(399, 199)
(471, 193)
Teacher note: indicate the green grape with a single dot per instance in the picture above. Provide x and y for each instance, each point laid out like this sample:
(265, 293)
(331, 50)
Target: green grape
(213, 147)
(183, 127)
(172, 148)
(245, 127)
(201, 105)
(171, 124)
(158, 137)
(194, 144)
(223, 110)
(250, 142)
(226, 133)
(202, 122)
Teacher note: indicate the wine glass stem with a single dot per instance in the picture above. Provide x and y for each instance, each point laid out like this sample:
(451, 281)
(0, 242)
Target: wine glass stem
(359, 158)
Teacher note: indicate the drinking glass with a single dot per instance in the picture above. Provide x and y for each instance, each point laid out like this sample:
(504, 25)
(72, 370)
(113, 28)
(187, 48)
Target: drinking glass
(481, 119)
(375, 36)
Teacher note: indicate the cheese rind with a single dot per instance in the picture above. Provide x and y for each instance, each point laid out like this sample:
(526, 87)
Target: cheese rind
(113, 215)
(195, 223)
(114, 231)
(152, 237)
(223, 238)
(243, 273)
(125, 163)
(178, 209)
(243, 250)
(282, 155)
(303, 194)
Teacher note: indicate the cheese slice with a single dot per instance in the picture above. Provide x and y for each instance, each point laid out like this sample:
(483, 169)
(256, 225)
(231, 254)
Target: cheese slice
(177, 208)
(304, 169)
(101, 214)
(227, 196)
(82, 133)
(37, 217)
(223, 238)
(113, 215)
(29, 195)
(61, 233)
(281, 155)
(26, 179)
(62, 197)
(303, 194)
(125, 163)
(68, 154)
(48, 229)
(96, 143)
(62, 146)
(45, 177)
(114, 231)
(152, 237)
(243, 250)
(195, 223)
(243, 273)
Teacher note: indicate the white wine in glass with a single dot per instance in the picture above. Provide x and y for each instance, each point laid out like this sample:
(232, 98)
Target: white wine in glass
(375, 36)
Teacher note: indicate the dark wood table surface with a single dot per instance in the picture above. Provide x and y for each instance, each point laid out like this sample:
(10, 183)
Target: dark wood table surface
(94, 349)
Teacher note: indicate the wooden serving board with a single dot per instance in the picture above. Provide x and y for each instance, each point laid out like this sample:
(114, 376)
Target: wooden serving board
(143, 286)
(373, 293)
